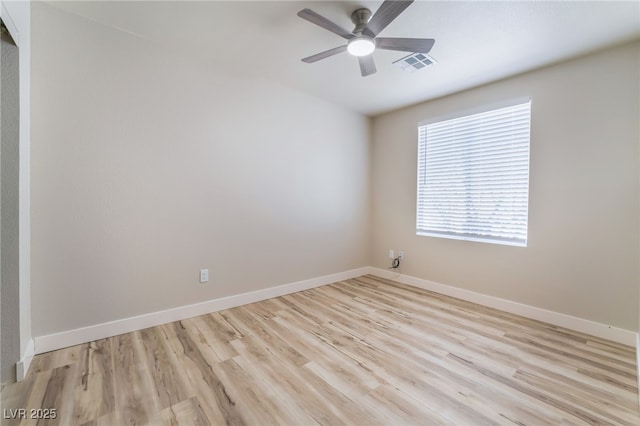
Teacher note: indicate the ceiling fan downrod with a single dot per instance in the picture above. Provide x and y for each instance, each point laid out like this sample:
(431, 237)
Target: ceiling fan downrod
(360, 18)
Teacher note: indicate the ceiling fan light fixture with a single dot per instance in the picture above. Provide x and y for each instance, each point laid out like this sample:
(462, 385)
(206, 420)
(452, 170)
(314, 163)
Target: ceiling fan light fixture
(363, 40)
(361, 46)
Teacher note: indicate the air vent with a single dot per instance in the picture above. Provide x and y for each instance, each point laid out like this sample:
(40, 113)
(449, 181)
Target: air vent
(415, 62)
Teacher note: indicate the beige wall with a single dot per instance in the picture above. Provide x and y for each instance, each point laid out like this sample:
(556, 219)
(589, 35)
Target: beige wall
(148, 167)
(582, 254)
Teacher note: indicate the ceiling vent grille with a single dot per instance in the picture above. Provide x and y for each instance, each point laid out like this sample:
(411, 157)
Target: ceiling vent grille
(414, 62)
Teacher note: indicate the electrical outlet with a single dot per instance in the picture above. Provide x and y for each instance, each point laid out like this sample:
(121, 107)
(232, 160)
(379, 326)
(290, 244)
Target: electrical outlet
(391, 255)
(204, 275)
(401, 254)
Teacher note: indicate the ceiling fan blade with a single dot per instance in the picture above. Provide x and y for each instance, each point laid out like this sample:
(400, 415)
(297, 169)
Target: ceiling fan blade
(417, 45)
(325, 54)
(367, 66)
(323, 22)
(386, 13)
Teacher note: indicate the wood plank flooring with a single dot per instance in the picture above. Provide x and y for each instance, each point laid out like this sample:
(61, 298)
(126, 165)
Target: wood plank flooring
(362, 351)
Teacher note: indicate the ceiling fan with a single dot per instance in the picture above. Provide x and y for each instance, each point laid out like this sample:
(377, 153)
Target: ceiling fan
(363, 40)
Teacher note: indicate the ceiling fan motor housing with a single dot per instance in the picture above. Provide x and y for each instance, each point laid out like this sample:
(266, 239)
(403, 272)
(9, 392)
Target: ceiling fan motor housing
(360, 17)
(361, 45)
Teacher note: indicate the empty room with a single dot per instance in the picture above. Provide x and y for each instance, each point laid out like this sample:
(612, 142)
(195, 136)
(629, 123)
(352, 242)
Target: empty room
(320, 212)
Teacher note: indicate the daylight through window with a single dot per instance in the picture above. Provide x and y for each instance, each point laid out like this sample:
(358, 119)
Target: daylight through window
(473, 176)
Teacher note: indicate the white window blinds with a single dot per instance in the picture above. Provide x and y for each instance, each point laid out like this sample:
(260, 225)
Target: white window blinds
(473, 176)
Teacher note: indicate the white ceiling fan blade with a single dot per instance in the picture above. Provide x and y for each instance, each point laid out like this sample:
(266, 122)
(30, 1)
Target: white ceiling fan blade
(323, 22)
(325, 54)
(367, 66)
(386, 13)
(417, 45)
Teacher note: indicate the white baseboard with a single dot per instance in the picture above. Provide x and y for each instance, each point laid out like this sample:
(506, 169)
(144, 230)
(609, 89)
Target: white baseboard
(78, 336)
(578, 324)
(22, 366)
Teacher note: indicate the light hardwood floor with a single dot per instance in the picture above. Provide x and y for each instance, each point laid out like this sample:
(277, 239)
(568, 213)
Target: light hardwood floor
(363, 351)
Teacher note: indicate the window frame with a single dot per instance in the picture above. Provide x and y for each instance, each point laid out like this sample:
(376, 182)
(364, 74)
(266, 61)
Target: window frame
(520, 238)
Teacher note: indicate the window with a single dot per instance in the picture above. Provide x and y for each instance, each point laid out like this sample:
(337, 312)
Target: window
(473, 176)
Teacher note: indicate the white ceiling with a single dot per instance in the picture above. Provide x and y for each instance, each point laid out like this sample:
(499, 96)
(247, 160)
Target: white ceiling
(476, 42)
